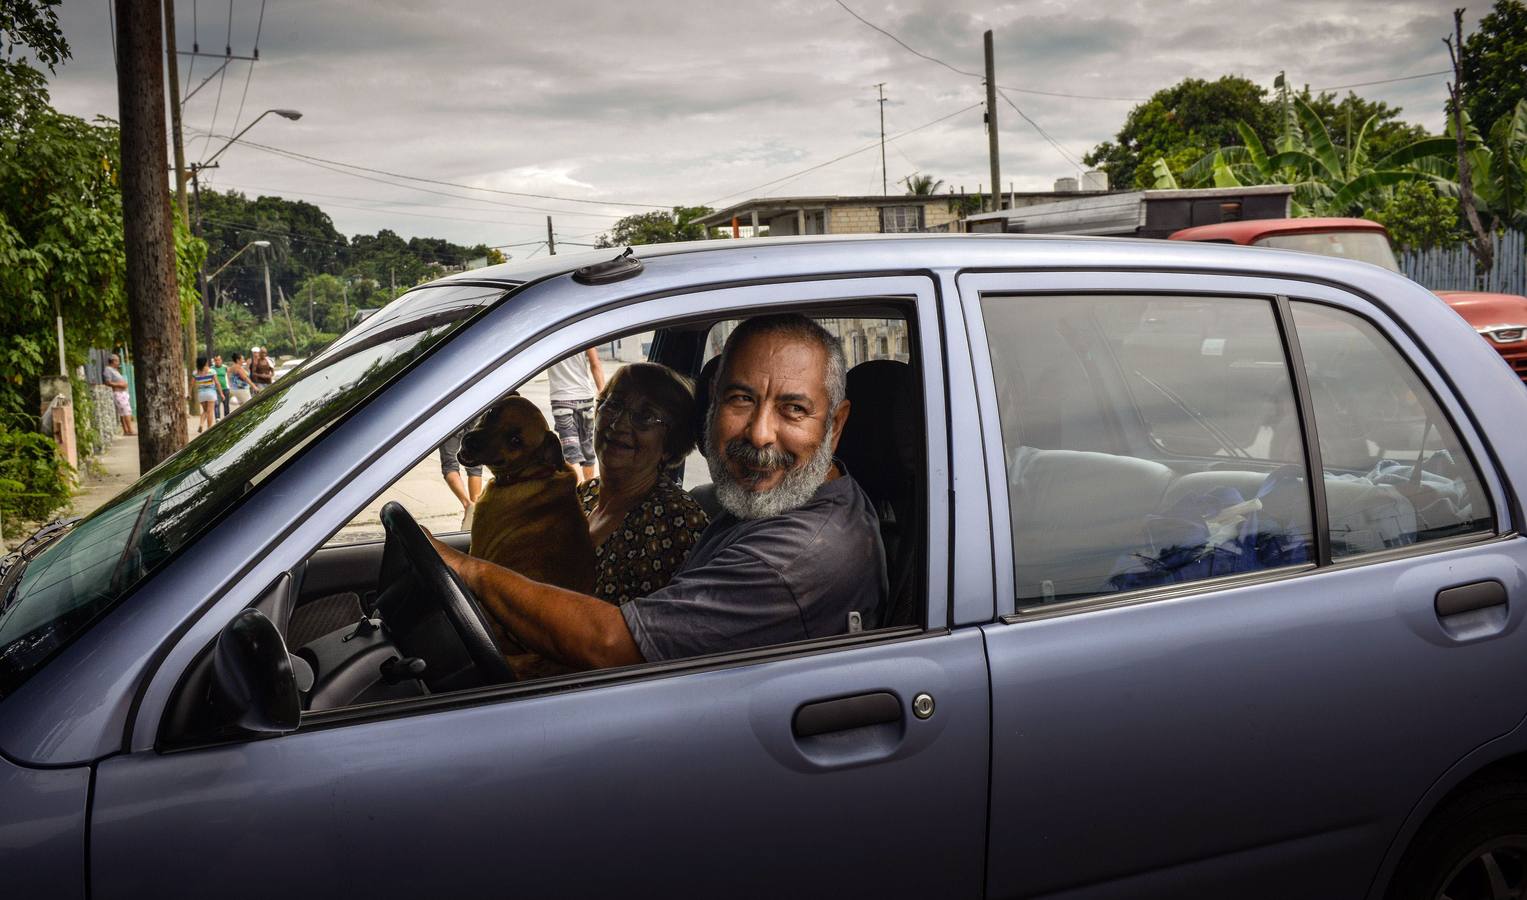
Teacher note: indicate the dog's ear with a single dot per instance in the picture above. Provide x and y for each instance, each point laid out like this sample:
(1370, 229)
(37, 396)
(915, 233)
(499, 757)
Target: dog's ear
(551, 450)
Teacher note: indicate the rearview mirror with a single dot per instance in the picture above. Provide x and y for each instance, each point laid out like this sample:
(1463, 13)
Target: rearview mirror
(253, 685)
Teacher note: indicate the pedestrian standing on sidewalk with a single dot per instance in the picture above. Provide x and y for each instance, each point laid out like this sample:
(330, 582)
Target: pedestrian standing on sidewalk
(261, 372)
(450, 468)
(206, 393)
(112, 375)
(238, 382)
(221, 371)
(575, 382)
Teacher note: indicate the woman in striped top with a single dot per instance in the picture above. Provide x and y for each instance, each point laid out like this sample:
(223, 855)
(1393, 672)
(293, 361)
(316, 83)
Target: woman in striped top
(207, 392)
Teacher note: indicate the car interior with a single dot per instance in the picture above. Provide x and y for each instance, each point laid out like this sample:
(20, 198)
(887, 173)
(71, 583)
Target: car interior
(373, 615)
(1135, 461)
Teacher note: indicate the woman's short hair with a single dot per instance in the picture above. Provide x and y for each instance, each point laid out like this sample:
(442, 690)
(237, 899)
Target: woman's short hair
(671, 393)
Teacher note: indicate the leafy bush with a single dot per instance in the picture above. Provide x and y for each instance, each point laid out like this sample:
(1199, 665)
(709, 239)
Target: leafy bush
(33, 484)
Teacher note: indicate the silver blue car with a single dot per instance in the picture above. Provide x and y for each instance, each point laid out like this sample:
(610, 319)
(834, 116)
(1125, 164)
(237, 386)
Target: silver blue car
(1205, 579)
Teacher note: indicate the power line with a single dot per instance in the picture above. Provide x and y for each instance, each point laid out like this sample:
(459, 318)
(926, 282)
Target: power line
(1338, 87)
(1042, 133)
(303, 156)
(250, 74)
(287, 192)
(383, 205)
(408, 187)
(835, 159)
(933, 59)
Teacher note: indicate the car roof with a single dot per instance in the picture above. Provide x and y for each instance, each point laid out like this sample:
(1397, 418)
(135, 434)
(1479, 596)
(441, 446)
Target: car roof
(1247, 231)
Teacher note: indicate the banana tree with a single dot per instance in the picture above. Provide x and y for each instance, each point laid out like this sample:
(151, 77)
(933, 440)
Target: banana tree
(1326, 180)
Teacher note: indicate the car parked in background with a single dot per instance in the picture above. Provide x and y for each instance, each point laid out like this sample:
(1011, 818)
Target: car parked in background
(1501, 319)
(1204, 582)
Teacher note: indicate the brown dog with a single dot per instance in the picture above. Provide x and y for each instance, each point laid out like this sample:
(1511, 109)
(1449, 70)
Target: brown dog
(528, 517)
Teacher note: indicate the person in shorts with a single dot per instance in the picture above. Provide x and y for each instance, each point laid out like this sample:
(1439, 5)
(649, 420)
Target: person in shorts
(112, 376)
(220, 371)
(575, 382)
(450, 469)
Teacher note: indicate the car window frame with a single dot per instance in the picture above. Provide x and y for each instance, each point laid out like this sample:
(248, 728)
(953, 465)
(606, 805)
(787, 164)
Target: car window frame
(974, 285)
(622, 315)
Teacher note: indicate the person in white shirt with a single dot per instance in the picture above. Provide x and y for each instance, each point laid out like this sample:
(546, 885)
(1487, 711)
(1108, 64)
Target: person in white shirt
(575, 382)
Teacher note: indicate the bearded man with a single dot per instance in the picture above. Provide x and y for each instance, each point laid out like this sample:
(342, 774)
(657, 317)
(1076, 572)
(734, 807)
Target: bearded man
(796, 555)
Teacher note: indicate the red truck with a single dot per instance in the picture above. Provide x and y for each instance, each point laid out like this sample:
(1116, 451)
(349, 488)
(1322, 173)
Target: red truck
(1500, 318)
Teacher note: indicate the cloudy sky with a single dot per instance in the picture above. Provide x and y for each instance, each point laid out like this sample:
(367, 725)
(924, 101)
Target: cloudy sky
(639, 105)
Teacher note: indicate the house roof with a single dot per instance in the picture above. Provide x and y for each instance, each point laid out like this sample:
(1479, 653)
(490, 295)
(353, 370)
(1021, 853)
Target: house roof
(775, 205)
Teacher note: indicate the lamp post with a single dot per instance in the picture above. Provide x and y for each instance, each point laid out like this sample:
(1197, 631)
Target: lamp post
(208, 279)
(206, 298)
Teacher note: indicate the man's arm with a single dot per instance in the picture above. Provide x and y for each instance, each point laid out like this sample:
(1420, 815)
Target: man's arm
(567, 626)
(596, 368)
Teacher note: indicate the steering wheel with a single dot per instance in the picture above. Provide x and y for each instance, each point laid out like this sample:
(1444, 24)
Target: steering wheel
(430, 614)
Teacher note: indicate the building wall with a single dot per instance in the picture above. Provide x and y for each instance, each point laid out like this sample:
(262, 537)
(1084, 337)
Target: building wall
(853, 220)
(937, 213)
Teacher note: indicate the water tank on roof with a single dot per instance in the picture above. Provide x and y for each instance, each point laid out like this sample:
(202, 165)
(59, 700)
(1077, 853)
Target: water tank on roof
(1096, 180)
(1065, 185)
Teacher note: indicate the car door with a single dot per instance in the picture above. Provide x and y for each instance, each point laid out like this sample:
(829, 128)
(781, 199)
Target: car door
(689, 778)
(1165, 728)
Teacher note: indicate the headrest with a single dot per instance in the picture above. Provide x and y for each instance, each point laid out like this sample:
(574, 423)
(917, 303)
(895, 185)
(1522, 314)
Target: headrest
(702, 399)
(883, 440)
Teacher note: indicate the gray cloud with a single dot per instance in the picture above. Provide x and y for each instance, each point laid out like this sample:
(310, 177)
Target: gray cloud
(669, 102)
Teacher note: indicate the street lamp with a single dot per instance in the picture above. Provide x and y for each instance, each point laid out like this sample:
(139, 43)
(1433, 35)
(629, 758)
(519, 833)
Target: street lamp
(292, 114)
(213, 277)
(206, 298)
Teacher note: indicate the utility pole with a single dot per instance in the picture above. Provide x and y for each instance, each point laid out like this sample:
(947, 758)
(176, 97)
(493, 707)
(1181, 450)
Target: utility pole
(153, 300)
(991, 123)
(884, 191)
(173, 70)
(551, 240)
(1479, 241)
(266, 260)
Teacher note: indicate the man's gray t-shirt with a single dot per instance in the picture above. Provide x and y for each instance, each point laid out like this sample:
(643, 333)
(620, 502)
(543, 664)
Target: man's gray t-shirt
(756, 582)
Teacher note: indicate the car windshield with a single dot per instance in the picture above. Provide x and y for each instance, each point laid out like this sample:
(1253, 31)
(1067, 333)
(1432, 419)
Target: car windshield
(1363, 246)
(48, 601)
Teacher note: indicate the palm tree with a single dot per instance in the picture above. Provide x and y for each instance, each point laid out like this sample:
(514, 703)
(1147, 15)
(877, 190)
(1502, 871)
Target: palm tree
(922, 185)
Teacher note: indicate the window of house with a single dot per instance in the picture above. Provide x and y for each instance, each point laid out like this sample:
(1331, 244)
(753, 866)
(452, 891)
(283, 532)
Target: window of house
(900, 219)
(1395, 471)
(1149, 441)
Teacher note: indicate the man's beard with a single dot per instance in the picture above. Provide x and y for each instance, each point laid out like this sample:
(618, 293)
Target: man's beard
(796, 487)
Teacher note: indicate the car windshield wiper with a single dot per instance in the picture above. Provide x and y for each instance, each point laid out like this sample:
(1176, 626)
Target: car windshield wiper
(12, 564)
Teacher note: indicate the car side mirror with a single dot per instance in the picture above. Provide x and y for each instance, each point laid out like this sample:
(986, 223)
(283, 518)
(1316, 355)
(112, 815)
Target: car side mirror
(253, 685)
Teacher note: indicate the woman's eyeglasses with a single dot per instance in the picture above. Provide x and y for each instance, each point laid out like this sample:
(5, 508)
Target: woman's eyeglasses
(642, 418)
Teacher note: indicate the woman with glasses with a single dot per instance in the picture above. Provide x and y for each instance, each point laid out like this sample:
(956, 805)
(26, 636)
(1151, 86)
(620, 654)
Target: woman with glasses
(642, 523)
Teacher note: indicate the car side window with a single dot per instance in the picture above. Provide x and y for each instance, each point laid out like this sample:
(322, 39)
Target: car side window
(1149, 440)
(1376, 420)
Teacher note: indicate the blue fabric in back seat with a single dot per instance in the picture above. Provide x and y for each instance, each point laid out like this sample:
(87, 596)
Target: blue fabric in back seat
(1216, 533)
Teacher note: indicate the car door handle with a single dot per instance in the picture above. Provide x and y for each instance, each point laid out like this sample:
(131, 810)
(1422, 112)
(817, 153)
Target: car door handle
(826, 716)
(1470, 597)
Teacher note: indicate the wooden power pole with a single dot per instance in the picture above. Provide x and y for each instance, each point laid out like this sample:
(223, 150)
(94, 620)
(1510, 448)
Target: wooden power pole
(991, 124)
(153, 300)
(551, 239)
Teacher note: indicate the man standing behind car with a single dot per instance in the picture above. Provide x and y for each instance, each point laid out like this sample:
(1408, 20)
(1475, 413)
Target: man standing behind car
(575, 382)
(796, 555)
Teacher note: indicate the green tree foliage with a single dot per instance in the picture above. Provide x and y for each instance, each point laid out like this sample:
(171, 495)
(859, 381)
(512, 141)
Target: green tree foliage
(1186, 120)
(1328, 179)
(1494, 61)
(33, 23)
(657, 227)
(32, 482)
(304, 243)
(60, 236)
(1184, 123)
(1418, 216)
